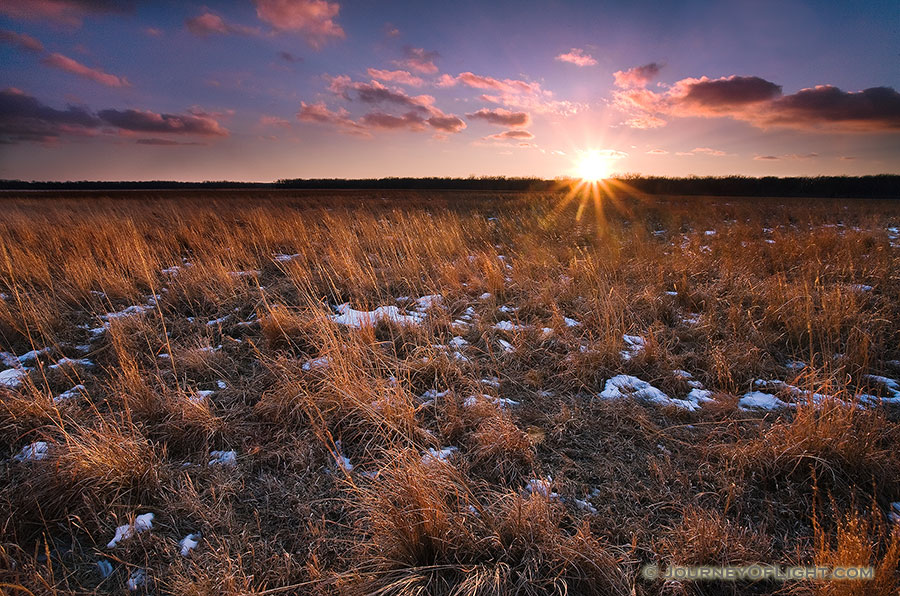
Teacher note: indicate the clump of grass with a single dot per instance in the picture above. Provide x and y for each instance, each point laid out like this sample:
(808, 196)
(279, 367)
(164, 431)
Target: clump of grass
(839, 446)
(429, 531)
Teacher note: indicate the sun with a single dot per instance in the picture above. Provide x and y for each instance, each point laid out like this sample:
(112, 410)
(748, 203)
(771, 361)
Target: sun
(593, 167)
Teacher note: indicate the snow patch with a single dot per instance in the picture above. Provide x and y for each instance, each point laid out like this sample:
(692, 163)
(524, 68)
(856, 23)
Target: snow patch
(33, 452)
(142, 523)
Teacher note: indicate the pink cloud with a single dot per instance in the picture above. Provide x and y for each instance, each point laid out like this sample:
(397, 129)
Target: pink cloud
(709, 151)
(657, 152)
(446, 80)
(147, 121)
(402, 77)
(314, 19)
(209, 24)
(638, 76)
(419, 60)
(73, 66)
(67, 12)
(511, 134)
(578, 57)
(320, 114)
(153, 32)
(501, 117)
(21, 40)
(447, 123)
(513, 93)
(275, 121)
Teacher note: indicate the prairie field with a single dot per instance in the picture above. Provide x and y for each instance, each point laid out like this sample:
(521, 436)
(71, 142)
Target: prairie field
(414, 392)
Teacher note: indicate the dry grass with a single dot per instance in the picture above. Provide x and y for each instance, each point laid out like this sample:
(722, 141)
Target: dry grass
(207, 323)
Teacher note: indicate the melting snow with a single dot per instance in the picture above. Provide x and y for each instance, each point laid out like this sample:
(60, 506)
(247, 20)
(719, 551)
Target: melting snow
(757, 400)
(340, 460)
(501, 402)
(571, 322)
(72, 393)
(316, 363)
(282, 258)
(541, 487)
(142, 523)
(222, 458)
(12, 378)
(438, 455)
(623, 386)
(634, 345)
(362, 318)
(508, 326)
(137, 579)
(72, 362)
(105, 568)
(189, 543)
(34, 452)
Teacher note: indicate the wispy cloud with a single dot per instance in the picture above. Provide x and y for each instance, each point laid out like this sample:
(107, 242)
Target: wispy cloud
(419, 60)
(67, 12)
(22, 41)
(578, 57)
(402, 77)
(212, 24)
(94, 74)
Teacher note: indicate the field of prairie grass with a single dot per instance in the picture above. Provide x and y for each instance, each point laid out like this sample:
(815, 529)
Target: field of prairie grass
(323, 392)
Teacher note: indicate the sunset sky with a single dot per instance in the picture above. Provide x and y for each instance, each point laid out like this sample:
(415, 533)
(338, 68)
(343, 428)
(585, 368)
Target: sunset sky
(267, 89)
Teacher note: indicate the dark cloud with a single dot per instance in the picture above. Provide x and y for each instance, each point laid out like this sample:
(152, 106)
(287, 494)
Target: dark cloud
(501, 117)
(447, 123)
(377, 93)
(731, 91)
(512, 134)
(167, 142)
(411, 120)
(146, 121)
(824, 106)
(24, 118)
(761, 103)
(21, 41)
(288, 57)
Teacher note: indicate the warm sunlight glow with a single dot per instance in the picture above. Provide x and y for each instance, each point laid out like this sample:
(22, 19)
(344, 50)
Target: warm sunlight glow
(593, 167)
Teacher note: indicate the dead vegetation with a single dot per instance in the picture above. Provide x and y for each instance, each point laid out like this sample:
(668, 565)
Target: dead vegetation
(339, 393)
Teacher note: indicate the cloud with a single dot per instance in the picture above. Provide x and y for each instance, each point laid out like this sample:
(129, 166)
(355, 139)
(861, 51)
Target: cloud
(147, 121)
(153, 32)
(67, 12)
(210, 24)
(657, 152)
(501, 117)
(766, 158)
(167, 142)
(513, 93)
(288, 57)
(314, 19)
(375, 92)
(709, 151)
(21, 41)
(792, 156)
(419, 60)
(638, 76)
(511, 134)
(402, 77)
(320, 114)
(275, 121)
(24, 118)
(73, 66)
(412, 120)
(578, 57)
(447, 123)
(726, 93)
(761, 103)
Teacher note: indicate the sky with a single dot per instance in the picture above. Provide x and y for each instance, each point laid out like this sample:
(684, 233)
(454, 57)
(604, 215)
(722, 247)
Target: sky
(259, 90)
